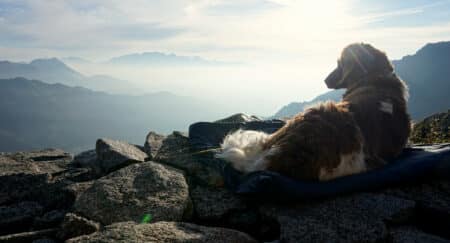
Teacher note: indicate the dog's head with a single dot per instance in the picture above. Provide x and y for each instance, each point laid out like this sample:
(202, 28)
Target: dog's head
(357, 61)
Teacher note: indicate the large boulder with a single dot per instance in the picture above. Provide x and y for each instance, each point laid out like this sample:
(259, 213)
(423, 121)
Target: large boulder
(355, 218)
(132, 192)
(113, 155)
(164, 232)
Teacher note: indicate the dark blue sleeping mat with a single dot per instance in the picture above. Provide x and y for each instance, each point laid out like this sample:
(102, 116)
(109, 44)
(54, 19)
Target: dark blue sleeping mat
(416, 164)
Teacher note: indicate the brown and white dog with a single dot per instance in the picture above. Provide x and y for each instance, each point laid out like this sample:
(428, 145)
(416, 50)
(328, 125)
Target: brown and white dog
(368, 127)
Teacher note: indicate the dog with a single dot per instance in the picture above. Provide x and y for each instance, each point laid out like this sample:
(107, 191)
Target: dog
(369, 127)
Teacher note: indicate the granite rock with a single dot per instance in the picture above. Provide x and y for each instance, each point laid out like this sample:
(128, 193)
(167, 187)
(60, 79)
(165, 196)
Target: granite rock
(164, 232)
(132, 192)
(113, 155)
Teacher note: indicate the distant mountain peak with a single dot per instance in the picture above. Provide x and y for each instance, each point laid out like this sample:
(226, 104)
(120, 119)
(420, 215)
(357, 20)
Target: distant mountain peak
(53, 60)
(50, 63)
(160, 58)
(77, 60)
(437, 48)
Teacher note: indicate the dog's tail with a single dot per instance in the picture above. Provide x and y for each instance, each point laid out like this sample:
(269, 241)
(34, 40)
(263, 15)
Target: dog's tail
(245, 150)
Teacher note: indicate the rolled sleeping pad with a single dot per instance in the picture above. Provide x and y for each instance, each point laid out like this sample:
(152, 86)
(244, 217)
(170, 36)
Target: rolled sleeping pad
(415, 164)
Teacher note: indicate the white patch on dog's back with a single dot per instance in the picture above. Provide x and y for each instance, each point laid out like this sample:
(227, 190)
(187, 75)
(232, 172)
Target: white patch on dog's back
(352, 163)
(244, 150)
(387, 107)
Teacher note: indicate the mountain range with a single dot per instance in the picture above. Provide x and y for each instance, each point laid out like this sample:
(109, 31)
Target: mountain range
(38, 115)
(53, 70)
(162, 59)
(427, 74)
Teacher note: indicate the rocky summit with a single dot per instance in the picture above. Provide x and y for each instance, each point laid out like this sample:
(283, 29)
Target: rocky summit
(433, 129)
(167, 191)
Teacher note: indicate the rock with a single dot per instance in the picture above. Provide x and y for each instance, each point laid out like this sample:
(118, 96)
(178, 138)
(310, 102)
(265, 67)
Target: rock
(413, 235)
(202, 168)
(434, 195)
(164, 232)
(20, 187)
(18, 217)
(53, 162)
(74, 225)
(81, 174)
(174, 145)
(35, 187)
(35, 176)
(133, 192)
(219, 207)
(28, 236)
(88, 162)
(153, 143)
(214, 203)
(113, 155)
(49, 161)
(356, 218)
(207, 135)
(239, 118)
(433, 129)
(49, 220)
(85, 159)
(433, 204)
(76, 189)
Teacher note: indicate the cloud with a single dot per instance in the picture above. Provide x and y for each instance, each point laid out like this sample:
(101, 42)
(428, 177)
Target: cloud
(243, 7)
(73, 25)
(420, 14)
(250, 31)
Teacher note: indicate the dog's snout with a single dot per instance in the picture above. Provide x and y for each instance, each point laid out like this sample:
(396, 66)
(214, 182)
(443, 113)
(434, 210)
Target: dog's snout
(333, 78)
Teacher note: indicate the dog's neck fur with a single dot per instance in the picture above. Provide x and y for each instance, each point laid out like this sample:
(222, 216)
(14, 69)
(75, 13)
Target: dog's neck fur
(385, 82)
(371, 79)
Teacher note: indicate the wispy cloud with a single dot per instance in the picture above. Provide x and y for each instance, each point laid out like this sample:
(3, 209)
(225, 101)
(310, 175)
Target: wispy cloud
(419, 14)
(71, 25)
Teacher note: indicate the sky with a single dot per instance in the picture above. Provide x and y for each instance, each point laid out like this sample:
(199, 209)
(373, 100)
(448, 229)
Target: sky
(285, 48)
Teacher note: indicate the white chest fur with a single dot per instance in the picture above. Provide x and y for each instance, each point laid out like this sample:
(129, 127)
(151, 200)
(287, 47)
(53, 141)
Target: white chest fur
(352, 163)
